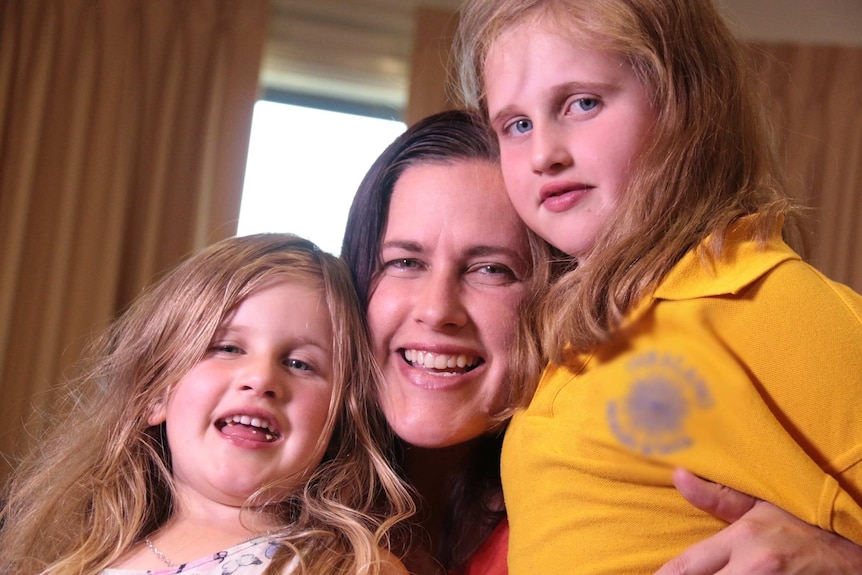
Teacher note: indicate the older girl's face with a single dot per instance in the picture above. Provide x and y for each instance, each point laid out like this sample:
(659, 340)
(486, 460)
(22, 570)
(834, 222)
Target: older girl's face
(569, 131)
(443, 311)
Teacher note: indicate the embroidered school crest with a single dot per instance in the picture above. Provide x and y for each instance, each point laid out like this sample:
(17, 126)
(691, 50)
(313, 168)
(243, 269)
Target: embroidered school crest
(663, 393)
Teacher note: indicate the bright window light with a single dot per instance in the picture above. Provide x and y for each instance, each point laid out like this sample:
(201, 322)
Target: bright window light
(304, 166)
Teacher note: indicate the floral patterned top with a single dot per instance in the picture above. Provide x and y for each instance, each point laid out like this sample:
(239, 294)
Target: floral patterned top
(247, 558)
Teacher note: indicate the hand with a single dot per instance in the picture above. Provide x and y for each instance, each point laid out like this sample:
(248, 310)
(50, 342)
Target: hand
(761, 540)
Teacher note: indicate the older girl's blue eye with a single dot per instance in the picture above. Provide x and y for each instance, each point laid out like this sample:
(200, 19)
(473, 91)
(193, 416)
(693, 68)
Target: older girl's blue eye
(587, 104)
(522, 126)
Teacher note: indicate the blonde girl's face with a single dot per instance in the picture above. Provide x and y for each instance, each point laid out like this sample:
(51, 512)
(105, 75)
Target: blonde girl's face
(255, 406)
(570, 120)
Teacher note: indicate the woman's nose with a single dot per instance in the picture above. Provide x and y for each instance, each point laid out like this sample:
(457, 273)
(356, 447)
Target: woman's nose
(438, 302)
(549, 152)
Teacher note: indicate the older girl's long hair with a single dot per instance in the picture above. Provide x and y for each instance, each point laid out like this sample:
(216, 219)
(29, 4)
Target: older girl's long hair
(100, 480)
(707, 161)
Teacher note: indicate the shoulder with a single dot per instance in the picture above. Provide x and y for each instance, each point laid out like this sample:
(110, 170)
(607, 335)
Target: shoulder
(390, 564)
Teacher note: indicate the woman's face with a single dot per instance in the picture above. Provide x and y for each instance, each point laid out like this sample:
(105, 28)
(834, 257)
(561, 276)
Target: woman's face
(443, 311)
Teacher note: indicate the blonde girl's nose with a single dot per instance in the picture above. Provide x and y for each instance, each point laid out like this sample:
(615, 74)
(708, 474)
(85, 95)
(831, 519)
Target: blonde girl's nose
(263, 376)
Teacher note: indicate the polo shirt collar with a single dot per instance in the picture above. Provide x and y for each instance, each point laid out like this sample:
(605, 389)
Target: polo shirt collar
(700, 274)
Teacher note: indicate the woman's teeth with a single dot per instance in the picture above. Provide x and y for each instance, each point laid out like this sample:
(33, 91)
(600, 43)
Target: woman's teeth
(430, 360)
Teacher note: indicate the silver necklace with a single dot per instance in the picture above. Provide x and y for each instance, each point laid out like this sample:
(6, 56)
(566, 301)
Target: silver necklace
(158, 552)
(164, 558)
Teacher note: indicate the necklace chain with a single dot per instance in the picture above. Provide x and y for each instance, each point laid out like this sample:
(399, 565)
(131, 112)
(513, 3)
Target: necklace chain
(164, 558)
(158, 552)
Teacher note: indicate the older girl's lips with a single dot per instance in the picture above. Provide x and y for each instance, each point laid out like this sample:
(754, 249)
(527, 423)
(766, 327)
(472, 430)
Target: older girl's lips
(560, 196)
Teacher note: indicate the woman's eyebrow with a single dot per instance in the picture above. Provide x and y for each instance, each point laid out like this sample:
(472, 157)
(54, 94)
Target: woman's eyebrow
(406, 245)
(491, 250)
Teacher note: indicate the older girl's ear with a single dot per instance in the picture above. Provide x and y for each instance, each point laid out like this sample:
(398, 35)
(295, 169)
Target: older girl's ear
(158, 412)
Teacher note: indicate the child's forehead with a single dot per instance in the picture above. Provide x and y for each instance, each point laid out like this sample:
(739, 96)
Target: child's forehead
(579, 27)
(301, 280)
(288, 278)
(270, 286)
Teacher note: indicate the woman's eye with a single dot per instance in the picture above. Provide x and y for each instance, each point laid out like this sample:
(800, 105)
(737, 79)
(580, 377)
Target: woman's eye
(497, 274)
(402, 264)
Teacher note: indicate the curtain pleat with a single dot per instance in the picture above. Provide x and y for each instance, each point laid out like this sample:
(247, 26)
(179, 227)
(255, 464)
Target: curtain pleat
(123, 134)
(816, 98)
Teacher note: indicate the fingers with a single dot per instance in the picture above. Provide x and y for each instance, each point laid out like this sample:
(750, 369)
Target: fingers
(719, 501)
(705, 558)
(765, 541)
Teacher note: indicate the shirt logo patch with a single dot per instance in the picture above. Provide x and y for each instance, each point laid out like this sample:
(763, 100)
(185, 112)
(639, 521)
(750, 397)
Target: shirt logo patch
(663, 393)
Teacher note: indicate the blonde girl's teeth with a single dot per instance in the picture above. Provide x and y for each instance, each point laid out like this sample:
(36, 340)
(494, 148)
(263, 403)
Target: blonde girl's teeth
(251, 421)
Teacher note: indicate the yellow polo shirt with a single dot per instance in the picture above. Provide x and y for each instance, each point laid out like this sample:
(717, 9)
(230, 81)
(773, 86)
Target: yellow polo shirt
(746, 371)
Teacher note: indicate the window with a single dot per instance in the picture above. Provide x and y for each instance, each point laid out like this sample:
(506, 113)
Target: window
(304, 165)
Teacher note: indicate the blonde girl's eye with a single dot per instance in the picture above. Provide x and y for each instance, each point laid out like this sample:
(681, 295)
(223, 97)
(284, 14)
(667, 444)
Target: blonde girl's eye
(297, 364)
(225, 348)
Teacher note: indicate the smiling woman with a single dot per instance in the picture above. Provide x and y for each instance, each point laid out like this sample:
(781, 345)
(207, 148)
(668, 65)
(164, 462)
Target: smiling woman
(304, 164)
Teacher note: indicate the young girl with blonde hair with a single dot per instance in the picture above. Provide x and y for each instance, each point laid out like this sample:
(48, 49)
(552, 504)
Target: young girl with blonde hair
(227, 424)
(687, 333)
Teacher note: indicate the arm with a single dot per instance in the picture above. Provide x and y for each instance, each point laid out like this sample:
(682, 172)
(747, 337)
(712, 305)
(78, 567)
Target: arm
(761, 539)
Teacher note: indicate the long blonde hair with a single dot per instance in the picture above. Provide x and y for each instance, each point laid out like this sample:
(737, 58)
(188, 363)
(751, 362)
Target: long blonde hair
(100, 480)
(708, 160)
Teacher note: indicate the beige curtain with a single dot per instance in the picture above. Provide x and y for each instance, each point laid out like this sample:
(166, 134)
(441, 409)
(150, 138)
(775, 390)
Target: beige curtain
(816, 96)
(430, 64)
(123, 133)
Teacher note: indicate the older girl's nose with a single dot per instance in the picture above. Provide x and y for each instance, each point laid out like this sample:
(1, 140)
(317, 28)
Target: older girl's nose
(549, 151)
